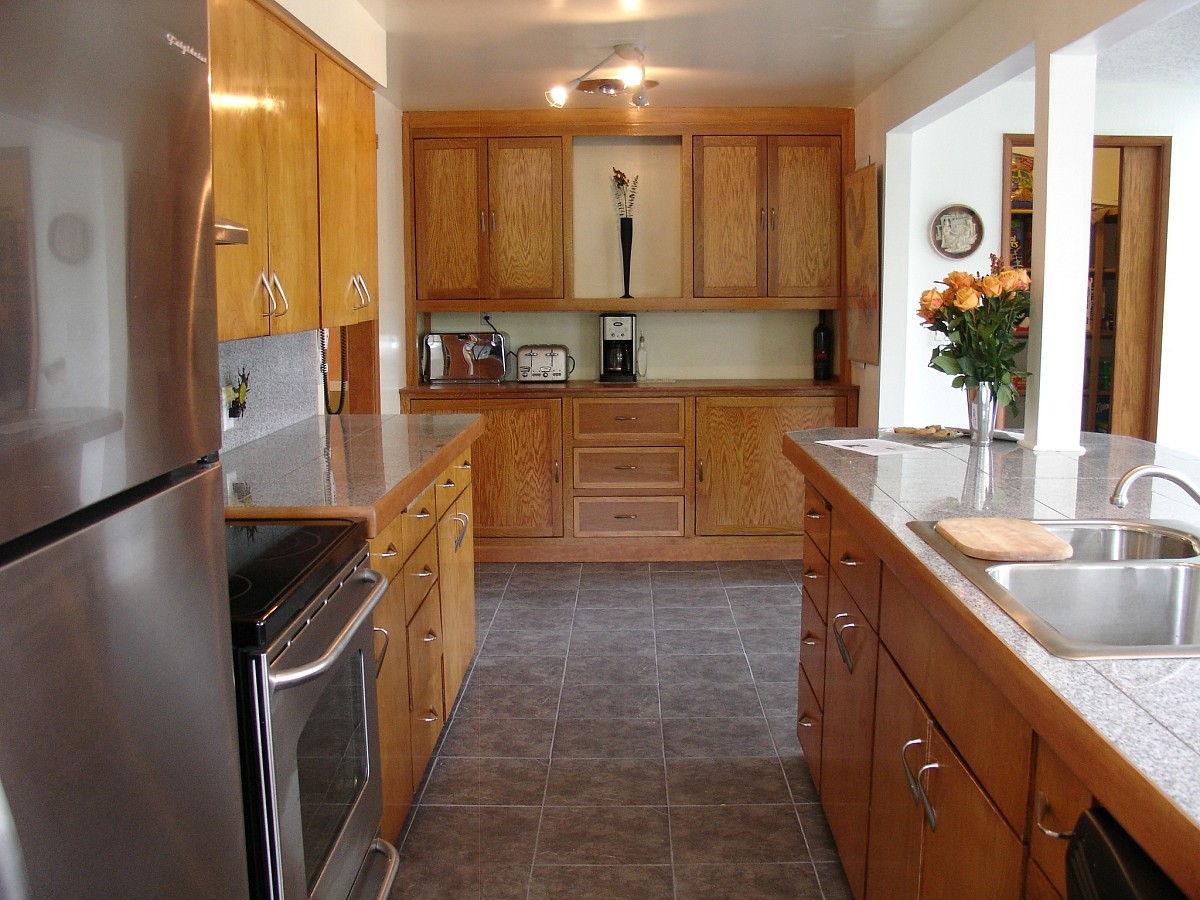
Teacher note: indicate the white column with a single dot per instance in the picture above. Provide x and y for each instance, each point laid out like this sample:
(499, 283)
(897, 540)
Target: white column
(1065, 110)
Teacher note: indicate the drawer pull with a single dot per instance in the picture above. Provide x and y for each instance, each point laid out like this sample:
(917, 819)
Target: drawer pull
(808, 640)
(423, 514)
(430, 717)
(430, 637)
(625, 468)
(626, 418)
(811, 574)
(805, 722)
(465, 464)
(1042, 804)
(425, 572)
(849, 561)
(814, 515)
(448, 484)
(624, 516)
(389, 552)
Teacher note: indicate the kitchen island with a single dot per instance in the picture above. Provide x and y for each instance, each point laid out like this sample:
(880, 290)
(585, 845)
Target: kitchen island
(1126, 731)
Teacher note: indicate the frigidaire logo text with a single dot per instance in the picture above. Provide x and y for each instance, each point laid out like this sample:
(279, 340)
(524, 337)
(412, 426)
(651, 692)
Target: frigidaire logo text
(186, 48)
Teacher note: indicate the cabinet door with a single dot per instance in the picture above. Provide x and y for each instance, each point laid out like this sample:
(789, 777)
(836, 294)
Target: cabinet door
(391, 689)
(451, 218)
(1058, 799)
(972, 852)
(901, 743)
(346, 143)
(456, 572)
(804, 216)
(852, 650)
(744, 484)
(525, 217)
(291, 147)
(729, 209)
(517, 465)
(238, 92)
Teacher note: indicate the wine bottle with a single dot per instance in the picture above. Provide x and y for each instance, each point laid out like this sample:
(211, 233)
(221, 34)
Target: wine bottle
(822, 350)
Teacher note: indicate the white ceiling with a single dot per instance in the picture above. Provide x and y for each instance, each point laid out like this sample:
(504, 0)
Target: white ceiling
(504, 54)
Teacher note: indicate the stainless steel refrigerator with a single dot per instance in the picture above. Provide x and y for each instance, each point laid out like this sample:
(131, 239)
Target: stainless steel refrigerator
(118, 744)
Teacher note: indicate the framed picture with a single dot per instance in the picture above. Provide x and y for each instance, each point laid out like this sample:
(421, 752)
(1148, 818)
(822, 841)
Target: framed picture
(956, 231)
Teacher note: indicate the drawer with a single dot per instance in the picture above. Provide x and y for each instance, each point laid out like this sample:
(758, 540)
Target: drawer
(425, 724)
(628, 517)
(816, 577)
(818, 518)
(629, 420)
(812, 649)
(452, 482)
(855, 564)
(420, 574)
(1058, 799)
(608, 468)
(425, 644)
(808, 728)
(397, 540)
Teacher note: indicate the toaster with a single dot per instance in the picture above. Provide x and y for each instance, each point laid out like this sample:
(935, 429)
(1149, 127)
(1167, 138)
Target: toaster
(544, 362)
(464, 358)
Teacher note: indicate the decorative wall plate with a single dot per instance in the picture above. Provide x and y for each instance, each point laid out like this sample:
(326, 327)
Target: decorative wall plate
(70, 238)
(956, 231)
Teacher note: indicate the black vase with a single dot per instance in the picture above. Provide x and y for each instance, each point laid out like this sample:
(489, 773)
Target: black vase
(626, 248)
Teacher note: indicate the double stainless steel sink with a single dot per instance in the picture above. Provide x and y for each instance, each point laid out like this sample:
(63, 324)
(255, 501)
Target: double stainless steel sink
(1131, 589)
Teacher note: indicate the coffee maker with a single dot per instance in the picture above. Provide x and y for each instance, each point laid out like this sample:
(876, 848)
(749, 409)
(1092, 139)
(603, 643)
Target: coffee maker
(618, 338)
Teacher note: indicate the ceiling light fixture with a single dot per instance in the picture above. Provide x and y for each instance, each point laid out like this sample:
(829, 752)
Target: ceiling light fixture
(632, 78)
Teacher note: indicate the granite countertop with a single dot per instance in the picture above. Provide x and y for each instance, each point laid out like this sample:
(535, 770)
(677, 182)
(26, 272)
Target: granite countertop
(1148, 709)
(352, 466)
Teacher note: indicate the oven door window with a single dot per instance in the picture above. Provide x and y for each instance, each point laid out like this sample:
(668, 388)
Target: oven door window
(332, 763)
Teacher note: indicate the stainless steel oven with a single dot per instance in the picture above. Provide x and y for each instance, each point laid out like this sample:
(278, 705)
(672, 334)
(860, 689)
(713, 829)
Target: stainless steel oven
(302, 596)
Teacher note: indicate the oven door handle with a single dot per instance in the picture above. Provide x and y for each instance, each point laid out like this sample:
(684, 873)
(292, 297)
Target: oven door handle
(370, 581)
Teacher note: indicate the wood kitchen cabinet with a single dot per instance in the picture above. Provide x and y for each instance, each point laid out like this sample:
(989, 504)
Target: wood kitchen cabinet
(488, 218)
(1058, 799)
(767, 214)
(744, 485)
(348, 196)
(264, 134)
(518, 472)
(456, 572)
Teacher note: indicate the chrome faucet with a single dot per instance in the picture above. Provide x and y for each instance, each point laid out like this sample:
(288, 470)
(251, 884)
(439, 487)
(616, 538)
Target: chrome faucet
(1120, 494)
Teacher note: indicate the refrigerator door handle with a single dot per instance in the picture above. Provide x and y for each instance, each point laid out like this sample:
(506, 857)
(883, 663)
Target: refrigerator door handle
(377, 586)
(14, 885)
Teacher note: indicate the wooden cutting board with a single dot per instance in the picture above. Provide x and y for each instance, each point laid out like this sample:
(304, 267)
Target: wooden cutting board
(1007, 539)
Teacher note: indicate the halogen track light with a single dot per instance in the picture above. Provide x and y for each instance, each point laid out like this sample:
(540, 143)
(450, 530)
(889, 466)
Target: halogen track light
(631, 79)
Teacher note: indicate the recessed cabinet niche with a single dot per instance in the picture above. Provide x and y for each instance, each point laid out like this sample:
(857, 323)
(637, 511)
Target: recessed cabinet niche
(488, 218)
(767, 215)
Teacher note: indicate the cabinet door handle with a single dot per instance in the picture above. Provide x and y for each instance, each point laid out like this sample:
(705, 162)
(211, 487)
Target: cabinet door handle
(774, 219)
(556, 471)
(271, 304)
(849, 561)
(812, 514)
(430, 637)
(908, 775)
(493, 221)
(624, 516)
(390, 552)
(930, 812)
(430, 717)
(1040, 806)
(626, 418)
(699, 470)
(625, 468)
(808, 640)
(279, 286)
(843, 650)
(425, 572)
(387, 639)
(805, 722)
(360, 288)
(762, 218)
(461, 518)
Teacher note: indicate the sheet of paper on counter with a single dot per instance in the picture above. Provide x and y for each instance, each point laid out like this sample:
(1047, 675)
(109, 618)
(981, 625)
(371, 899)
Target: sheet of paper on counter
(876, 447)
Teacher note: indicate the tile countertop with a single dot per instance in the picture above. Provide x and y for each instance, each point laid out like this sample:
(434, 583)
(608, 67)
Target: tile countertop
(352, 466)
(1149, 709)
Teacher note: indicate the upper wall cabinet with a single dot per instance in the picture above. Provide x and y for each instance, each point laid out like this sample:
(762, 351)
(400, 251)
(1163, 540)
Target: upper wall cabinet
(264, 124)
(349, 203)
(488, 218)
(767, 212)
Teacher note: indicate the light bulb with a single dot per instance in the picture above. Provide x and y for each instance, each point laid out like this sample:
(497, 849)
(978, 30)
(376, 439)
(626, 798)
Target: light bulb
(631, 75)
(557, 96)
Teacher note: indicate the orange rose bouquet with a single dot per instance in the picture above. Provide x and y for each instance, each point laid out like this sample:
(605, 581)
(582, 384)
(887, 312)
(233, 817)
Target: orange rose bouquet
(979, 315)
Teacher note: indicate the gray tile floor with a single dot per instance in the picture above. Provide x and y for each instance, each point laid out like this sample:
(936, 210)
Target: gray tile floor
(626, 731)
